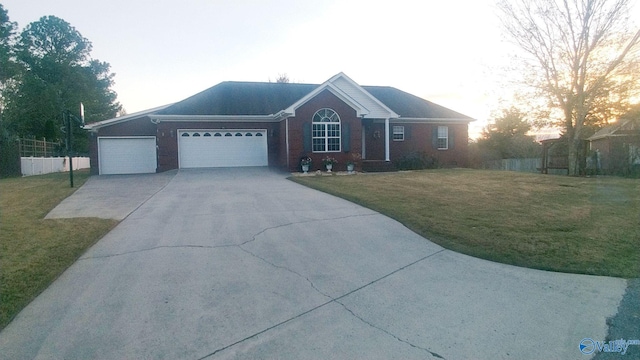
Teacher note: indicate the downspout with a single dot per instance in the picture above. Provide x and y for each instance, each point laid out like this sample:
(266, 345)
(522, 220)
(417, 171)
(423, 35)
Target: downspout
(387, 155)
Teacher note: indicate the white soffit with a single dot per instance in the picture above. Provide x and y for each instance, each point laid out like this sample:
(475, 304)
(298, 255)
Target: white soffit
(347, 90)
(377, 110)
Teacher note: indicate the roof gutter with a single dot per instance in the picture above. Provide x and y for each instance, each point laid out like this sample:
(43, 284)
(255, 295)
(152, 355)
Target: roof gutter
(94, 127)
(156, 119)
(430, 120)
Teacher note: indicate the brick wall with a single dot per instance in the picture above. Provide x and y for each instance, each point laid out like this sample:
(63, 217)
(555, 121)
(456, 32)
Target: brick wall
(418, 138)
(304, 115)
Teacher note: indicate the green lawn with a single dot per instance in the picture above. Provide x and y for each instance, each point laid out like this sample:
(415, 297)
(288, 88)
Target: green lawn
(34, 251)
(558, 223)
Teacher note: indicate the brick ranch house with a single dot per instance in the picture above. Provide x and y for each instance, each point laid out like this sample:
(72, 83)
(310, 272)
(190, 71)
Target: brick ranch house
(275, 124)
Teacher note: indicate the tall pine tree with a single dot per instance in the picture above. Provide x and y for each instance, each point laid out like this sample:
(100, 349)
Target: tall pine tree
(56, 74)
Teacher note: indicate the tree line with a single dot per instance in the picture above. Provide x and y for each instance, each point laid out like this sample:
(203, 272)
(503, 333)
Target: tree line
(45, 70)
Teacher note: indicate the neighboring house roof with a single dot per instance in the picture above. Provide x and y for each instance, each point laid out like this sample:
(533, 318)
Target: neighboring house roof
(628, 127)
(261, 101)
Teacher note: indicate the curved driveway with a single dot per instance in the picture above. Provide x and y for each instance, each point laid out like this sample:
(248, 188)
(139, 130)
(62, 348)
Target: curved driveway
(241, 263)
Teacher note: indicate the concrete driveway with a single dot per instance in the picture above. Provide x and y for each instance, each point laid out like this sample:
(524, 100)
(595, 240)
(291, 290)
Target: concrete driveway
(242, 263)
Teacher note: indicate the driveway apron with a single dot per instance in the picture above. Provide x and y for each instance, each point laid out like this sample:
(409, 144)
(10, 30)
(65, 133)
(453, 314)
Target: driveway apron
(242, 263)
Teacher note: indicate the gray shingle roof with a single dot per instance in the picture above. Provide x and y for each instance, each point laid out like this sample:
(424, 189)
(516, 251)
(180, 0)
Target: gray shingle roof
(241, 98)
(255, 98)
(411, 106)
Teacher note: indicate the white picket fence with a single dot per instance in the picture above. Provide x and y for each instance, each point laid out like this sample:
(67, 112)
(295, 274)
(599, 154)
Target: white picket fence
(45, 165)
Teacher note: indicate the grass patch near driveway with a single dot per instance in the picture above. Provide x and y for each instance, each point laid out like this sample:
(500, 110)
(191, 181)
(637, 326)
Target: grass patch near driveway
(34, 251)
(558, 223)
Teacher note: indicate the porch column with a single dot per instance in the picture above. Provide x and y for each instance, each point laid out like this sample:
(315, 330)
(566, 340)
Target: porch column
(364, 139)
(286, 122)
(387, 156)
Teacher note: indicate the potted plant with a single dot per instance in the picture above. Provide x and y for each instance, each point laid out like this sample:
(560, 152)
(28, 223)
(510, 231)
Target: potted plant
(329, 162)
(305, 163)
(351, 164)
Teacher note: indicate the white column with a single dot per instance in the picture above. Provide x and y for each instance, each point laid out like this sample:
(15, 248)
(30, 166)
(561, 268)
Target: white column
(387, 156)
(364, 144)
(286, 131)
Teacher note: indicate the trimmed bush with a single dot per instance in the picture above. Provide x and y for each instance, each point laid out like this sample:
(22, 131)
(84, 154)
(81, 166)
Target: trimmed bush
(416, 161)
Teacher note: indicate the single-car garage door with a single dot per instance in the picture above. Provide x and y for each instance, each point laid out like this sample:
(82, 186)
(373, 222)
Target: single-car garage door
(222, 148)
(127, 155)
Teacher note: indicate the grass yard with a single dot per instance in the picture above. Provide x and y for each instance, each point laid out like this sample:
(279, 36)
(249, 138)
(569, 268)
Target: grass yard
(558, 223)
(34, 251)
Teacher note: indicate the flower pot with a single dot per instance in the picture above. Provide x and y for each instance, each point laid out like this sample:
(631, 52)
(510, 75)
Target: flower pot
(350, 168)
(305, 168)
(329, 167)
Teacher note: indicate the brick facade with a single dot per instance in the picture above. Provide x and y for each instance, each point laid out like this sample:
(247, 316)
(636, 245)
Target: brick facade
(304, 115)
(418, 139)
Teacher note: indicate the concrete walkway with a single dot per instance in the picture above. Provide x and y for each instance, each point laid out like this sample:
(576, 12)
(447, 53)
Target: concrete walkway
(241, 263)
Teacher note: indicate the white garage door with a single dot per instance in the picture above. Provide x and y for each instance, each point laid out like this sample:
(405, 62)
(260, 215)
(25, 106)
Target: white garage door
(127, 155)
(222, 148)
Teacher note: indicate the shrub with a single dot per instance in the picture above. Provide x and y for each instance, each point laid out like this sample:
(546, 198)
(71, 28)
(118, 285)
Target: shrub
(416, 161)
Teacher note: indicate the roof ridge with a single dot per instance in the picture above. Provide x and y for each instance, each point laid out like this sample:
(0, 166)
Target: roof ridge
(261, 82)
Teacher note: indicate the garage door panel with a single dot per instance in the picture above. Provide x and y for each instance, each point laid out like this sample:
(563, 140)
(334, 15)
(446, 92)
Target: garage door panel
(232, 148)
(127, 155)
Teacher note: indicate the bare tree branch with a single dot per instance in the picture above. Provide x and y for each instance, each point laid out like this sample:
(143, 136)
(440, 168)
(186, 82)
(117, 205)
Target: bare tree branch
(582, 56)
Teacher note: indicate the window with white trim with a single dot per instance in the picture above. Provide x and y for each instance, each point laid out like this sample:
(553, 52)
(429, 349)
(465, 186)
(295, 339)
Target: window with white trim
(325, 131)
(398, 133)
(443, 137)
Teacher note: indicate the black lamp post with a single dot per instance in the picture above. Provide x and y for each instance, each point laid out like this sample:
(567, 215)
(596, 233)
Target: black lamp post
(68, 117)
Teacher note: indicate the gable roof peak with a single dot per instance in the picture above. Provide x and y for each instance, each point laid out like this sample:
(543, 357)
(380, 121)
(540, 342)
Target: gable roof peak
(342, 86)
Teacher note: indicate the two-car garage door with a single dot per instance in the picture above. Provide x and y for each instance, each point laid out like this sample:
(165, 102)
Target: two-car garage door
(222, 148)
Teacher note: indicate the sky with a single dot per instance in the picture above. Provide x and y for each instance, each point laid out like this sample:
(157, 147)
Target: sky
(448, 52)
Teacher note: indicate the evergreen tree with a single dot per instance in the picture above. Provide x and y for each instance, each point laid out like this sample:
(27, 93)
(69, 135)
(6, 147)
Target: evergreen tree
(507, 137)
(56, 75)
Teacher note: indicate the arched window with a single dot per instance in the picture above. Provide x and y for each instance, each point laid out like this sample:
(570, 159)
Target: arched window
(196, 134)
(207, 134)
(326, 131)
(238, 134)
(228, 134)
(248, 134)
(217, 134)
(185, 134)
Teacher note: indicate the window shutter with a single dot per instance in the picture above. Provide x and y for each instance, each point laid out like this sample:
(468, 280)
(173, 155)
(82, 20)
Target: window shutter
(451, 138)
(306, 137)
(407, 132)
(346, 137)
(434, 136)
